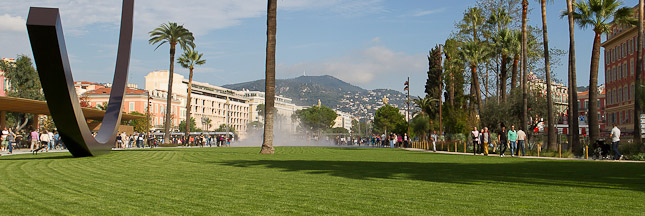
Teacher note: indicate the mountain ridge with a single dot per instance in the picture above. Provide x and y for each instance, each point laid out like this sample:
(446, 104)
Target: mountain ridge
(332, 92)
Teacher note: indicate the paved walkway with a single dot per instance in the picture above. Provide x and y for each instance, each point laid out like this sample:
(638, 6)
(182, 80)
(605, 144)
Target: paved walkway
(528, 157)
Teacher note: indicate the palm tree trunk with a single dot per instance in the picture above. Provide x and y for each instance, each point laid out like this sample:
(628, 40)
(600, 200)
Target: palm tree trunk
(188, 101)
(549, 95)
(639, 67)
(525, 4)
(168, 122)
(486, 83)
(573, 93)
(504, 74)
(269, 96)
(514, 75)
(477, 92)
(497, 78)
(594, 131)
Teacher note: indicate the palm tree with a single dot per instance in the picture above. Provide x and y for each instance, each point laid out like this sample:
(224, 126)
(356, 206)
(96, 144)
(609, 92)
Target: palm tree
(473, 19)
(549, 97)
(473, 53)
(269, 96)
(596, 14)
(188, 60)
(427, 108)
(503, 43)
(500, 19)
(639, 67)
(172, 34)
(208, 121)
(525, 57)
(573, 94)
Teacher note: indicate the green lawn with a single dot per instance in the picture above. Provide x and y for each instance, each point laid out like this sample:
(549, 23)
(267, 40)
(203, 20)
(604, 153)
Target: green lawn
(314, 181)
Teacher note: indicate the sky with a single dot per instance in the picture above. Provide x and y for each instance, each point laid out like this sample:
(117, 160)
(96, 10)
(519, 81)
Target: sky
(369, 43)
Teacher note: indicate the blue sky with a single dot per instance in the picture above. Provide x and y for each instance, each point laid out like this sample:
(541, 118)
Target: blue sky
(369, 43)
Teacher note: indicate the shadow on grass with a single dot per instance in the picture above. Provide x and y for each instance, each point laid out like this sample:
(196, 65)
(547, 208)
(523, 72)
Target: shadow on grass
(25, 157)
(546, 173)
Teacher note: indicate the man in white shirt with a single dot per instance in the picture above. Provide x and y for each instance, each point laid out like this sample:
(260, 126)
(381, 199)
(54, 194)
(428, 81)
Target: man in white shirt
(615, 139)
(434, 137)
(475, 135)
(50, 144)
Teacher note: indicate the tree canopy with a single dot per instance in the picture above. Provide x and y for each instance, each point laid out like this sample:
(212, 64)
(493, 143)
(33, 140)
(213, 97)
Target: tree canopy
(387, 118)
(317, 118)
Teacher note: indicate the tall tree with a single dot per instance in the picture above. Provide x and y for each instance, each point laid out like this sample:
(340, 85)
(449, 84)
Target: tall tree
(639, 68)
(573, 94)
(188, 60)
(549, 95)
(472, 22)
(500, 19)
(269, 96)
(453, 76)
(596, 14)
(316, 118)
(503, 43)
(387, 118)
(525, 5)
(25, 83)
(433, 86)
(172, 34)
(473, 53)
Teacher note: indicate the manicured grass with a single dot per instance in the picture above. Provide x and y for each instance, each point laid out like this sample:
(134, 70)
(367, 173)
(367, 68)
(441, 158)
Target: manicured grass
(314, 181)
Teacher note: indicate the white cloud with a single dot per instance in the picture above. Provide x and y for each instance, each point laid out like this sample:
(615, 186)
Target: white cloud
(12, 23)
(428, 12)
(372, 67)
(200, 16)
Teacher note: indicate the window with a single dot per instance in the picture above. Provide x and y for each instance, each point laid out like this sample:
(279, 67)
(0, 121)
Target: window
(624, 73)
(618, 73)
(131, 106)
(631, 67)
(586, 104)
(625, 93)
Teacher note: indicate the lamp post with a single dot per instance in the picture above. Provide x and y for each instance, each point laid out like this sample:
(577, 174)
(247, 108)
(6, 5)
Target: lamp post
(228, 105)
(148, 117)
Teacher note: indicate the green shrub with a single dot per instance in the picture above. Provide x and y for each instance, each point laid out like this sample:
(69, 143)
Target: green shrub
(638, 157)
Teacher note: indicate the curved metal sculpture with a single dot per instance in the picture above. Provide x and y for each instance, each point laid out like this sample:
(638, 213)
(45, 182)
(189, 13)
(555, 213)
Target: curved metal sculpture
(50, 54)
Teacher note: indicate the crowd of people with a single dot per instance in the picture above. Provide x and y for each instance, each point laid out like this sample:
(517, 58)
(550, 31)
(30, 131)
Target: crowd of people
(140, 140)
(513, 140)
(35, 139)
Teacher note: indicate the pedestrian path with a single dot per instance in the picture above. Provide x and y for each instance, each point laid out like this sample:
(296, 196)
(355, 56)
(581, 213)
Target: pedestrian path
(521, 157)
(26, 151)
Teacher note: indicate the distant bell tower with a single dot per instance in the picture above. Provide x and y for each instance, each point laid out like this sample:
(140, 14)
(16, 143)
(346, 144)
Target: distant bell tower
(385, 100)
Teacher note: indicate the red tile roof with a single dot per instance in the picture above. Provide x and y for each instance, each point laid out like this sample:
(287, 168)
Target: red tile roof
(106, 91)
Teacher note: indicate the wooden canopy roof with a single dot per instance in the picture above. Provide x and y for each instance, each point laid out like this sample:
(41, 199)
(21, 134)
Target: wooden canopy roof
(21, 105)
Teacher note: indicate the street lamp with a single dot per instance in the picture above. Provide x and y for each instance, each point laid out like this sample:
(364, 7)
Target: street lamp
(228, 105)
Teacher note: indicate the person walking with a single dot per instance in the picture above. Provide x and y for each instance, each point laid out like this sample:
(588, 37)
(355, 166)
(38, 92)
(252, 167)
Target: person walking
(50, 144)
(521, 140)
(44, 140)
(502, 138)
(475, 136)
(434, 137)
(480, 145)
(5, 142)
(11, 138)
(486, 140)
(56, 139)
(512, 138)
(34, 139)
(615, 140)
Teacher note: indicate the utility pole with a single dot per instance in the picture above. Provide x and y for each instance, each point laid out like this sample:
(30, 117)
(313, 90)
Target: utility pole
(228, 107)
(440, 92)
(407, 87)
(148, 117)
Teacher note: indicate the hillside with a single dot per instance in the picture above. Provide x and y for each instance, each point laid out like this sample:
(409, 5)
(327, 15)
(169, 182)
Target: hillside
(332, 92)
